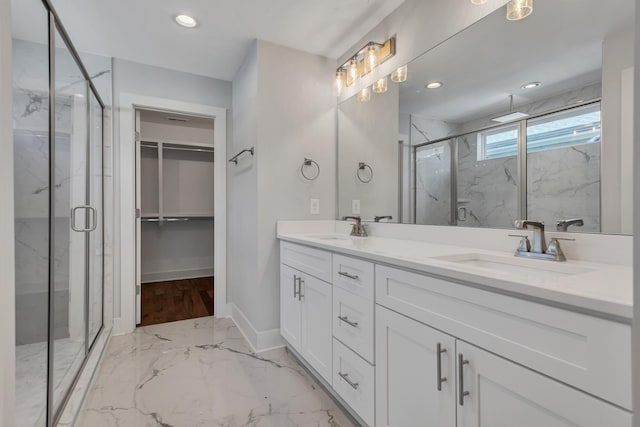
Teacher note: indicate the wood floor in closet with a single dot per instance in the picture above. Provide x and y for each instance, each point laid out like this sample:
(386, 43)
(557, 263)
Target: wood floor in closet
(169, 301)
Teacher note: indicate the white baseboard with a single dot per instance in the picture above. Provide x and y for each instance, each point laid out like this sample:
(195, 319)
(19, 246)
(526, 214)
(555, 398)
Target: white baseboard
(163, 276)
(259, 341)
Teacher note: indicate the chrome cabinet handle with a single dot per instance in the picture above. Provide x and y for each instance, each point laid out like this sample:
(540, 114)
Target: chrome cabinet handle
(346, 378)
(350, 276)
(295, 290)
(439, 352)
(94, 216)
(461, 391)
(300, 283)
(346, 320)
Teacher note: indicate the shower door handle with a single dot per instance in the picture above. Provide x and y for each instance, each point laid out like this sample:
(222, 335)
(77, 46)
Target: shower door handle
(94, 217)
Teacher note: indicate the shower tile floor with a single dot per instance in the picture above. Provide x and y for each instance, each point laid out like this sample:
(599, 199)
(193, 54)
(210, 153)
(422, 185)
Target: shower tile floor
(31, 377)
(201, 372)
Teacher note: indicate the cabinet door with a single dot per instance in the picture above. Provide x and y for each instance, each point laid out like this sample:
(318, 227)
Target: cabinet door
(290, 307)
(316, 325)
(503, 394)
(407, 371)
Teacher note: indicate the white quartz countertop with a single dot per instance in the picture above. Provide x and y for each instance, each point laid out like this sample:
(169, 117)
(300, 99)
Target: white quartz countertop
(601, 289)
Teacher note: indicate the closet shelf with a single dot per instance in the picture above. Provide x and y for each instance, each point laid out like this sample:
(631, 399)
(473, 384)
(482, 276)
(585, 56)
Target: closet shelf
(177, 218)
(178, 145)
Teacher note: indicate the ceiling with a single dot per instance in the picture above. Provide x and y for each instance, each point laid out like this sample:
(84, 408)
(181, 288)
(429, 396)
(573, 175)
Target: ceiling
(560, 45)
(144, 30)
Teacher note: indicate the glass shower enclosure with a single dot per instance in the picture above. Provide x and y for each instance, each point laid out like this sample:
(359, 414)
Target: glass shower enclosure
(58, 158)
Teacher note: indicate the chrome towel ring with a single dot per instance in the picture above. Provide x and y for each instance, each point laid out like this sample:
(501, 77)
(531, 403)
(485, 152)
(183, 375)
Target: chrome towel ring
(309, 162)
(361, 167)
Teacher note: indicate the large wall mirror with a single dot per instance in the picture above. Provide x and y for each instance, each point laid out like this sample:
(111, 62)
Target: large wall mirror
(507, 120)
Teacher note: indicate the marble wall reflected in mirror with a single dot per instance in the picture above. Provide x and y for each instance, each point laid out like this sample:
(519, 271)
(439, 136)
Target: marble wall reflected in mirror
(505, 120)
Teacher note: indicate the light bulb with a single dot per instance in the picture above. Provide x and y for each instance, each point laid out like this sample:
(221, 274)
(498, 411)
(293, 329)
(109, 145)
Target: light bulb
(399, 75)
(340, 81)
(371, 57)
(380, 86)
(519, 9)
(352, 71)
(364, 95)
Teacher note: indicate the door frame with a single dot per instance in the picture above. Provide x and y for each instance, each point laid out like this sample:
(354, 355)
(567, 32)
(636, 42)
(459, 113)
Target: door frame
(125, 189)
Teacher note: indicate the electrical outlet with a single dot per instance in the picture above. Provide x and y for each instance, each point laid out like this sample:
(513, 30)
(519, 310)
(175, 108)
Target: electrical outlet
(355, 207)
(314, 207)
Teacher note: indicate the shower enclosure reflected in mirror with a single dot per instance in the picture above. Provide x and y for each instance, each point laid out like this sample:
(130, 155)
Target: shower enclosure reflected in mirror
(529, 119)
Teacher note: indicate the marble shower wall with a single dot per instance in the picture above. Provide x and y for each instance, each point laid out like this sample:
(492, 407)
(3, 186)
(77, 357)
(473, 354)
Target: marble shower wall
(565, 183)
(31, 157)
(487, 189)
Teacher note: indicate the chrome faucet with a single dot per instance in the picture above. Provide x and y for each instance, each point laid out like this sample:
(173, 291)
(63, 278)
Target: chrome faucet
(538, 249)
(358, 228)
(564, 224)
(378, 218)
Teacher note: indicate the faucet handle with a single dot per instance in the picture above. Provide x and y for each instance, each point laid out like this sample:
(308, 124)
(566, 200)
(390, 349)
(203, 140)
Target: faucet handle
(554, 249)
(525, 244)
(523, 224)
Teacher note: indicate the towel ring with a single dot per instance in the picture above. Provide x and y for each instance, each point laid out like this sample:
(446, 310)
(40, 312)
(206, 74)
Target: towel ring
(362, 166)
(309, 162)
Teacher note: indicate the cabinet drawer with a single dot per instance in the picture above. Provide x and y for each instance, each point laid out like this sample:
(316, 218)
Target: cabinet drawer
(353, 322)
(353, 380)
(314, 262)
(589, 353)
(353, 275)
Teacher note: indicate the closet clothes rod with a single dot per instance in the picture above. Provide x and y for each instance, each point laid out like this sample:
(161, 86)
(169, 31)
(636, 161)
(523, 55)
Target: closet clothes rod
(177, 218)
(170, 147)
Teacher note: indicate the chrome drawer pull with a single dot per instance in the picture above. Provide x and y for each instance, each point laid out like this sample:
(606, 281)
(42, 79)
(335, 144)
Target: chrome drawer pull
(461, 392)
(295, 289)
(439, 352)
(350, 276)
(300, 283)
(346, 320)
(346, 378)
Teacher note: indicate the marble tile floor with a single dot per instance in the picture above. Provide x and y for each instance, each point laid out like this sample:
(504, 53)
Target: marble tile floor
(201, 372)
(31, 377)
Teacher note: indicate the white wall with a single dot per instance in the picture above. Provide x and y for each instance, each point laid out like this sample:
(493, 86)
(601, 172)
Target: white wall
(7, 277)
(139, 79)
(418, 26)
(284, 105)
(368, 132)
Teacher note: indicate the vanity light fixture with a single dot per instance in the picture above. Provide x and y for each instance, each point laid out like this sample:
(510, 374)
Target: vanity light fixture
(186, 21)
(433, 85)
(399, 75)
(365, 61)
(341, 77)
(364, 95)
(531, 85)
(381, 85)
(519, 9)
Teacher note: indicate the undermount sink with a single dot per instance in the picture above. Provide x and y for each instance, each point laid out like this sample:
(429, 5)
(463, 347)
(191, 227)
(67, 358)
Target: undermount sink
(517, 266)
(333, 237)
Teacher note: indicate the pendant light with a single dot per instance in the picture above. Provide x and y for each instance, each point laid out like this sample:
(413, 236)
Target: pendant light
(399, 75)
(519, 9)
(364, 95)
(381, 85)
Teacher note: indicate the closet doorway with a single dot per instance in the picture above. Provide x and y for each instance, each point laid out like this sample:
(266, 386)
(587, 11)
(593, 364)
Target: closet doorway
(174, 216)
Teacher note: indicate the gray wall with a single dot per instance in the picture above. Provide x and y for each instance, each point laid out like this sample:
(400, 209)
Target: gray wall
(7, 267)
(284, 105)
(368, 132)
(141, 79)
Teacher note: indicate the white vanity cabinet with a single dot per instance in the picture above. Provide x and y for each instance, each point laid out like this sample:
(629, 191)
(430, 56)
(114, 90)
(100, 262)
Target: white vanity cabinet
(405, 348)
(415, 375)
(306, 306)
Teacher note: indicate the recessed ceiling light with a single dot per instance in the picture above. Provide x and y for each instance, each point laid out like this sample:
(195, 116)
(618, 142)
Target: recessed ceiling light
(531, 85)
(186, 21)
(433, 85)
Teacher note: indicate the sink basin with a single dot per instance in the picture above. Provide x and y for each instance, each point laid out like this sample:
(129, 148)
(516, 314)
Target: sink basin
(333, 237)
(517, 266)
